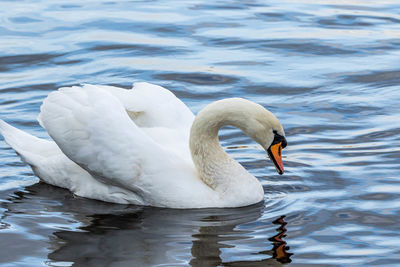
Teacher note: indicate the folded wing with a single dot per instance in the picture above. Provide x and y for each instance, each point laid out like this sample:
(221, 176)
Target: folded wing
(93, 129)
(158, 113)
(150, 105)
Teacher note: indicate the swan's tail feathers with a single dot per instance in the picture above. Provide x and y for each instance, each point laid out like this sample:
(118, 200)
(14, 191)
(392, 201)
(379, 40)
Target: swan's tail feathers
(11, 134)
(29, 147)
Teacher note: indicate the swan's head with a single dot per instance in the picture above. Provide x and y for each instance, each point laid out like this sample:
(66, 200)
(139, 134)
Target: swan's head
(263, 127)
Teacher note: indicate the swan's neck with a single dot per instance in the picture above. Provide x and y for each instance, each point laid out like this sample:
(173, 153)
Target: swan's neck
(215, 167)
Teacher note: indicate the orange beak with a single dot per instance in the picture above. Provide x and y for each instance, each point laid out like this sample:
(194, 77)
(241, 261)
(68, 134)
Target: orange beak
(275, 154)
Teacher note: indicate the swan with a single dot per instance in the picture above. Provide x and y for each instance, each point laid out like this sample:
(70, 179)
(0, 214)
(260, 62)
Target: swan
(144, 146)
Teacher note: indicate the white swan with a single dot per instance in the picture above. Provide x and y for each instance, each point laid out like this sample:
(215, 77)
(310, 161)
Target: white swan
(144, 146)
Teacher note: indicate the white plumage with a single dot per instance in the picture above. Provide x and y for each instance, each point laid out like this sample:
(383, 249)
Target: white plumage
(136, 147)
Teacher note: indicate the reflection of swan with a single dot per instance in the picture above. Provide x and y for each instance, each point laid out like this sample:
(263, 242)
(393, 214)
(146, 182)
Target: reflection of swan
(280, 249)
(206, 250)
(132, 146)
(127, 235)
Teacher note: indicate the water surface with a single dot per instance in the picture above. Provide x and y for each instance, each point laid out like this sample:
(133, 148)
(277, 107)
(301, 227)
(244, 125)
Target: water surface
(327, 69)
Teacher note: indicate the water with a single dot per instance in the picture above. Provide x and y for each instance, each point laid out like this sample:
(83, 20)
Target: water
(329, 71)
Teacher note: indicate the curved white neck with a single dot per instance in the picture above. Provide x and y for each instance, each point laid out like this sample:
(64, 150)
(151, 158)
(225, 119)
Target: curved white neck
(216, 168)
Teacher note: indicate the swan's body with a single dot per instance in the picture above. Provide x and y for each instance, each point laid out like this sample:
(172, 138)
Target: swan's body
(144, 146)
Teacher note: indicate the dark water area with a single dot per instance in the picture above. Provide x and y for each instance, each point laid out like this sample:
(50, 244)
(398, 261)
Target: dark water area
(329, 70)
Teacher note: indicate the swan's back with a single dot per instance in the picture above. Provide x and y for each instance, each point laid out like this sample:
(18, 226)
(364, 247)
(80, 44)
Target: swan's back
(150, 105)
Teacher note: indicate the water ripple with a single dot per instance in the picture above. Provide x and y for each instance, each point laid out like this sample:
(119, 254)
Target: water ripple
(328, 71)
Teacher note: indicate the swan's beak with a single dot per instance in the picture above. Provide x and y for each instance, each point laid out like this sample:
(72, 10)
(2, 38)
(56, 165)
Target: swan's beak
(275, 154)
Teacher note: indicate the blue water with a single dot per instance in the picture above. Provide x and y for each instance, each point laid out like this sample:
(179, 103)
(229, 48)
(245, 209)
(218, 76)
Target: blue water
(329, 70)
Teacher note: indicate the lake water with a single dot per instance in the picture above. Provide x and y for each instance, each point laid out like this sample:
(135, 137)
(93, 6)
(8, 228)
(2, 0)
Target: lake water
(329, 70)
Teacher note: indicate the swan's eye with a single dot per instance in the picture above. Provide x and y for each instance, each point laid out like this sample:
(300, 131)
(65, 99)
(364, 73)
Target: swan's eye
(279, 139)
